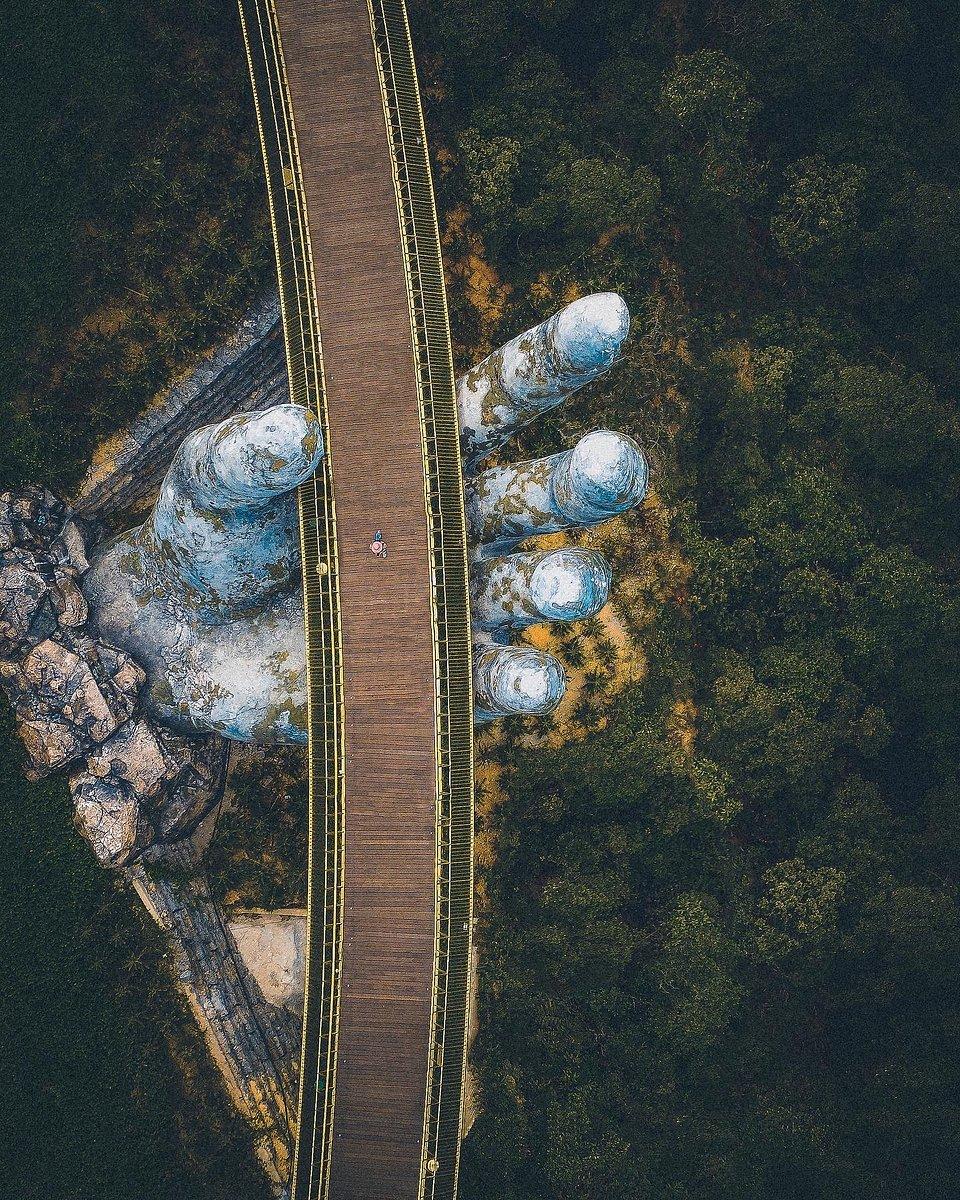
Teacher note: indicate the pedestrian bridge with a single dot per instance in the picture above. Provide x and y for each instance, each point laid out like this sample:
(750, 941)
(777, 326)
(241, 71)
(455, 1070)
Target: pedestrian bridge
(388, 638)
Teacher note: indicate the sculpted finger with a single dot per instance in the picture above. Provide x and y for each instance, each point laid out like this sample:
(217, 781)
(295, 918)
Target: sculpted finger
(551, 585)
(603, 475)
(537, 370)
(226, 520)
(246, 460)
(516, 681)
(224, 534)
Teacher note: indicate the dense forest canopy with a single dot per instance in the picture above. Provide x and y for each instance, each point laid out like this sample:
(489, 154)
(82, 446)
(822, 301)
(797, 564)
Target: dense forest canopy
(720, 931)
(721, 936)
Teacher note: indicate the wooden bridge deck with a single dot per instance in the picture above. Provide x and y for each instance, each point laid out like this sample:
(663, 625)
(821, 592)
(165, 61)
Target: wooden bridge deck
(392, 782)
(390, 767)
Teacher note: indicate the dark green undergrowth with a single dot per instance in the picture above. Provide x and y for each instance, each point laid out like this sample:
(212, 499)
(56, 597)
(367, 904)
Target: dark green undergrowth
(132, 197)
(258, 856)
(109, 1091)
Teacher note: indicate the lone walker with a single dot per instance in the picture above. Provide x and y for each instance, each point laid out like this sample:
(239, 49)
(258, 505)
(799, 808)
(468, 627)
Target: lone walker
(378, 546)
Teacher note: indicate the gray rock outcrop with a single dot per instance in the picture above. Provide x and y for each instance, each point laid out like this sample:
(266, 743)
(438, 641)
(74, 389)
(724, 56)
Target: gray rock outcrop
(78, 699)
(255, 1044)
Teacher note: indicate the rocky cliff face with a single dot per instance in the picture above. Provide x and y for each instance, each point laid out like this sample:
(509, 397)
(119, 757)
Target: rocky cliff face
(273, 946)
(135, 784)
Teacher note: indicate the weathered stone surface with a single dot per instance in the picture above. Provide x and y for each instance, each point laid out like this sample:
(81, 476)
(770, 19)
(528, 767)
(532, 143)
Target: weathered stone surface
(31, 517)
(75, 542)
(126, 677)
(537, 371)
(73, 694)
(544, 585)
(111, 818)
(57, 699)
(218, 559)
(515, 679)
(70, 698)
(109, 793)
(43, 551)
(135, 757)
(604, 475)
(273, 947)
(145, 786)
(67, 599)
(50, 744)
(26, 614)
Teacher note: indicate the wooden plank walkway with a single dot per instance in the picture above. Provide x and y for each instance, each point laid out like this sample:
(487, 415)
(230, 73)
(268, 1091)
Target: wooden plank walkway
(375, 445)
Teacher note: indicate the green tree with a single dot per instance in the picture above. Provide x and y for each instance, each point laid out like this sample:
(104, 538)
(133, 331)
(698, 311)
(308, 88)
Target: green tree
(817, 217)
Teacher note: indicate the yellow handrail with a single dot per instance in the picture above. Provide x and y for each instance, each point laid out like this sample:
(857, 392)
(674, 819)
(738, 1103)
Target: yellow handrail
(444, 485)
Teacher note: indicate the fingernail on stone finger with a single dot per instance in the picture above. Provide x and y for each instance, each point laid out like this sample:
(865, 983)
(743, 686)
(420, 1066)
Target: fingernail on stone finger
(516, 681)
(568, 585)
(590, 332)
(252, 458)
(552, 585)
(605, 474)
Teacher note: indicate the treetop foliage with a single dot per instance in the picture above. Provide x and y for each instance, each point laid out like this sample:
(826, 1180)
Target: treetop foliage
(719, 955)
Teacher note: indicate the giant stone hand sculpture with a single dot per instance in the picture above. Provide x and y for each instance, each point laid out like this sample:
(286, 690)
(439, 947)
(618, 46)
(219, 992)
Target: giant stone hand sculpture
(206, 594)
(120, 657)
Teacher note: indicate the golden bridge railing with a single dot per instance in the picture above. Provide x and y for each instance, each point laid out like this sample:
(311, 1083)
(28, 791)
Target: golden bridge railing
(441, 444)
